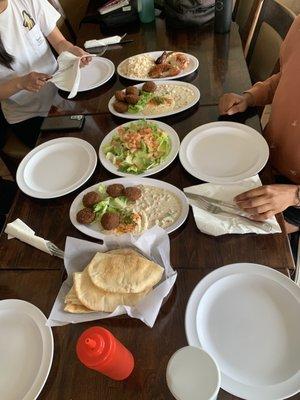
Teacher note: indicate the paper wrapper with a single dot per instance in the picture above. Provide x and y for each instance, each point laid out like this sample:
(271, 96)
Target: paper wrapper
(221, 224)
(154, 244)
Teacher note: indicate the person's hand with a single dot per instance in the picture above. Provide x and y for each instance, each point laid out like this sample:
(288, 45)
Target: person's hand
(231, 103)
(266, 201)
(33, 82)
(86, 57)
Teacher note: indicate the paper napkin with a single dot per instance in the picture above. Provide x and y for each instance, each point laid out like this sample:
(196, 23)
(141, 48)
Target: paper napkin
(68, 73)
(19, 230)
(102, 42)
(220, 224)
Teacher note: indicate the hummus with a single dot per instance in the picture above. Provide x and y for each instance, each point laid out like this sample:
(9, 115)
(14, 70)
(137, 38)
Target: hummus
(156, 207)
(172, 97)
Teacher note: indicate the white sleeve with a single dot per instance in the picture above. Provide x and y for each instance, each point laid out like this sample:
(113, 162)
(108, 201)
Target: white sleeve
(47, 16)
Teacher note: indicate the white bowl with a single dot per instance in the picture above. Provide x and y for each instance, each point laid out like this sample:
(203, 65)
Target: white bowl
(192, 374)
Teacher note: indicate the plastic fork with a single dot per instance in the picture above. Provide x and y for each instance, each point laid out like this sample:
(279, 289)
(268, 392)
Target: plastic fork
(54, 250)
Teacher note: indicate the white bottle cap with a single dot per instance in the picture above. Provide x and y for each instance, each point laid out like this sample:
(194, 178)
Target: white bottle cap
(192, 374)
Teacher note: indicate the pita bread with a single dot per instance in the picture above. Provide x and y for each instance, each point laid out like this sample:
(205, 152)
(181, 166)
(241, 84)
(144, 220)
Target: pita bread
(97, 299)
(120, 273)
(123, 252)
(76, 308)
(71, 297)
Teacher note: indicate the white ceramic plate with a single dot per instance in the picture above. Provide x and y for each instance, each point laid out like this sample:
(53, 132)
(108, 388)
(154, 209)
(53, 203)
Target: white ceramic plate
(93, 75)
(93, 231)
(56, 167)
(193, 65)
(247, 317)
(165, 114)
(223, 152)
(26, 348)
(175, 143)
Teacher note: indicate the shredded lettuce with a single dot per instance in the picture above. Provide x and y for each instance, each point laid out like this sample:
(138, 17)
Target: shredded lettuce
(136, 160)
(144, 98)
(110, 204)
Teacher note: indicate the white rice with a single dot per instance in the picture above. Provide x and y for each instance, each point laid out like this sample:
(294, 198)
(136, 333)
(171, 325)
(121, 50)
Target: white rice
(138, 66)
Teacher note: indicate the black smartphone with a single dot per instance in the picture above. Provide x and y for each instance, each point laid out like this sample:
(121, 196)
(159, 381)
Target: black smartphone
(63, 122)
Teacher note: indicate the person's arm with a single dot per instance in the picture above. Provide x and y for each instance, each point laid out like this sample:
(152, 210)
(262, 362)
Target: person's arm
(32, 82)
(260, 94)
(60, 44)
(263, 92)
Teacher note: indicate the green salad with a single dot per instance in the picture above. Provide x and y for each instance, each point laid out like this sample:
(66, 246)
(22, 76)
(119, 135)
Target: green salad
(137, 147)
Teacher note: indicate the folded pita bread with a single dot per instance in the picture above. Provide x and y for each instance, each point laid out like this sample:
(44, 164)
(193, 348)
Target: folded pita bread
(71, 297)
(76, 308)
(96, 299)
(123, 273)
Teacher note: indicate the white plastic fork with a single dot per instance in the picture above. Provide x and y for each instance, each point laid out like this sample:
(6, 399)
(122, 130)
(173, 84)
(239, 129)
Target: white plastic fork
(54, 250)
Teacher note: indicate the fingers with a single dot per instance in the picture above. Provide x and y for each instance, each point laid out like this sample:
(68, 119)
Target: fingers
(85, 61)
(259, 191)
(226, 102)
(263, 216)
(259, 209)
(238, 107)
(42, 77)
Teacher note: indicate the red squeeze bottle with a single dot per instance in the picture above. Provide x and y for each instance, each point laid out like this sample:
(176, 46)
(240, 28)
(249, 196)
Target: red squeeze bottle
(98, 349)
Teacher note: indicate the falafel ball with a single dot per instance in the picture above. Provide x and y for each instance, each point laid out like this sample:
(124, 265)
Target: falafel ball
(115, 190)
(149, 87)
(132, 90)
(85, 216)
(91, 198)
(120, 95)
(132, 98)
(120, 106)
(133, 193)
(110, 220)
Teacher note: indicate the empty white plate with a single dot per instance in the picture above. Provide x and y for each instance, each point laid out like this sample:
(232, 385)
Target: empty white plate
(223, 152)
(95, 74)
(26, 348)
(247, 317)
(56, 167)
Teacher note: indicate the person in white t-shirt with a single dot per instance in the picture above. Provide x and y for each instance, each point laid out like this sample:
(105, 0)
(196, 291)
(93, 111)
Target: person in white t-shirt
(27, 62)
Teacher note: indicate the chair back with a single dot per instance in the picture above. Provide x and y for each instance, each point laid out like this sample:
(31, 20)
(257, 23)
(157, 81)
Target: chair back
(244, 14)
(273, 23)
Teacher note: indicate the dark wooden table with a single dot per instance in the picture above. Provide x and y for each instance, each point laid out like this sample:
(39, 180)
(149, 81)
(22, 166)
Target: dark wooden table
(31, 275)
(222, 66)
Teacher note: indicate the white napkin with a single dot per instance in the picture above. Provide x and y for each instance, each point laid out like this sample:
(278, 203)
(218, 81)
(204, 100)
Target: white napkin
(220, 224)
(102, 42)
(154, 243)
(19, 230)
(68, 73)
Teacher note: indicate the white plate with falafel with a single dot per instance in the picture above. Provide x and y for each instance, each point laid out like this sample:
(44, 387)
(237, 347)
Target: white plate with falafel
(158, 65)
(140, 148)
(154, 99)
(128, 205)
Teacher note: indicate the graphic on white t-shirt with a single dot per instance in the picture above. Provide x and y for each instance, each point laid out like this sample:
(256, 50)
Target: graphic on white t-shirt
(28, 21)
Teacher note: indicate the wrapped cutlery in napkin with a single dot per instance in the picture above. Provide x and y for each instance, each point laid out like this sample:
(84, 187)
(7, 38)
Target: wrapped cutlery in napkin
(69, 72)
(103, 42)
(221, 224)
(153, 244)
(19, 230)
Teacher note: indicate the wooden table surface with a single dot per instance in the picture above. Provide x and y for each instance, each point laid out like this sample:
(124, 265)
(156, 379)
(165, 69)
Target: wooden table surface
(222, 66)
(31, 275)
